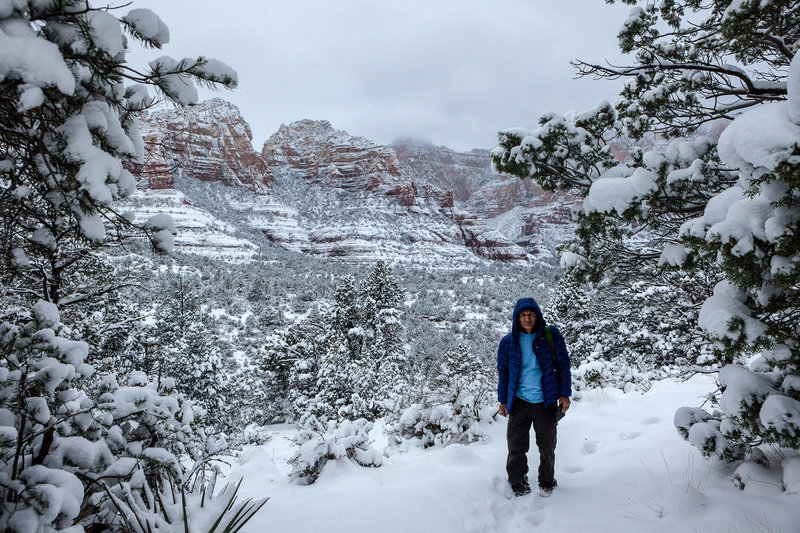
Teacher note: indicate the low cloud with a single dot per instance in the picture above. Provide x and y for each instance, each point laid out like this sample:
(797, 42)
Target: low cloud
(451, 71)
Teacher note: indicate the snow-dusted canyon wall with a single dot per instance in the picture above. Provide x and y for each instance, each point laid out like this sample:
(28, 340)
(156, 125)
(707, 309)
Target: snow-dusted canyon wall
(324, 192)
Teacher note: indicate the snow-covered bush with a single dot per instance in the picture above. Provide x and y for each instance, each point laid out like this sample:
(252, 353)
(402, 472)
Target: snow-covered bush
(600, 373)
(320, 440)
(63, 445)
(451, 403)
(38, 397)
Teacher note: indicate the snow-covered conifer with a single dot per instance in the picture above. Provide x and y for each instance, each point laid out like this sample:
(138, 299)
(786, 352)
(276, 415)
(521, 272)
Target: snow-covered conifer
(451, 403)
(724, 211)
(68, 121)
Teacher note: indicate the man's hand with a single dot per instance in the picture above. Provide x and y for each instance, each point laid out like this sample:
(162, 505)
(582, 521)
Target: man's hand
(563, 402)
(503, 410)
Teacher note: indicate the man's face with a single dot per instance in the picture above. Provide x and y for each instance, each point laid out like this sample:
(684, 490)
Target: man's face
(527, 319)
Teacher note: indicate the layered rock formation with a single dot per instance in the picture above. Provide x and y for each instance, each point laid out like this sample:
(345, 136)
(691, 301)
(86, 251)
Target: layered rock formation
(459, 173)
(210, 142)
(322, 155)
(323, 192)
(523, 209)
(335, 158)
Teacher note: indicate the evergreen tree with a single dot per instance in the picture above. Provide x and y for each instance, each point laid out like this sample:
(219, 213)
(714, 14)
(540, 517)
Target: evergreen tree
(69, 103)
(385, 363)
(711, 209)
(449, 409)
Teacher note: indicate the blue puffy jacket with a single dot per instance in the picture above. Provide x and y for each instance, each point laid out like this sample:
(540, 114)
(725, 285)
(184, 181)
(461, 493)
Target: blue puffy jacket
(555, 384)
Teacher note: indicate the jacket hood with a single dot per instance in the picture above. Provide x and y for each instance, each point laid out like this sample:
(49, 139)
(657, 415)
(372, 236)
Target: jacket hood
(522, 305)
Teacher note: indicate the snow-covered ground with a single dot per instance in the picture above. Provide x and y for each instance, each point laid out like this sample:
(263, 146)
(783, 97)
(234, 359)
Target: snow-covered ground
(620, 464)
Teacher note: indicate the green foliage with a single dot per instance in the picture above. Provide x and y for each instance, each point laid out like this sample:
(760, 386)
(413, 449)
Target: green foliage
(713, 224)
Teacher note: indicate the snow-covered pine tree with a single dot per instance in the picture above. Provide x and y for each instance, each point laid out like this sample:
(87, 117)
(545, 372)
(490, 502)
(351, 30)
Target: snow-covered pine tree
(68, 120)
(385, 356)
(289, 368)
(63, 444)
(186, 346)
(626, 336)
(711, 207)
(347, 314)
(360, 373)
(450, 407)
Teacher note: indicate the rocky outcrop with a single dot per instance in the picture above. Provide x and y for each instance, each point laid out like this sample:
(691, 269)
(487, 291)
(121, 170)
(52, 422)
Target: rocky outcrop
(486, 242)
(467, 181)
(460, 173)
(348, 198)
(210, 142)
(324, 155)
(155, 173)
(419, 175)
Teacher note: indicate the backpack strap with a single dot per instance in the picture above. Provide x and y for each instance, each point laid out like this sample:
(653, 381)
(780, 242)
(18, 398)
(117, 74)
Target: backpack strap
(548, 334)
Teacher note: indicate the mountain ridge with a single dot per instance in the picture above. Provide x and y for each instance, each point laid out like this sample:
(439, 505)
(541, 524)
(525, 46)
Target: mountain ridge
(407, 199)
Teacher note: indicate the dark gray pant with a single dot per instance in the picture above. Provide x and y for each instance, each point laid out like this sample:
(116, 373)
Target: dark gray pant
(518, 434)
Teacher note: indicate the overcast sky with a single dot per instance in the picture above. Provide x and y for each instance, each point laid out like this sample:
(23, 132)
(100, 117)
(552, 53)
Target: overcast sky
(453, 72)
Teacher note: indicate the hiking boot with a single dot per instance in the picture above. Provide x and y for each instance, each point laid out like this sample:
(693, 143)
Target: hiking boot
(546, 490)
(522, 488)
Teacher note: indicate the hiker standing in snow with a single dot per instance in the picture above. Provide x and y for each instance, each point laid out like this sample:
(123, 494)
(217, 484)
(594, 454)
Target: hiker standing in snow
(534, 388)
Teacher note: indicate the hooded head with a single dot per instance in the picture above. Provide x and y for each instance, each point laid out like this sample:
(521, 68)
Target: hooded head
(522, 305)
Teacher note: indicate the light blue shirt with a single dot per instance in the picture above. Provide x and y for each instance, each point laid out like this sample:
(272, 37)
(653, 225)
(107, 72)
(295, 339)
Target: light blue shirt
(529, 386)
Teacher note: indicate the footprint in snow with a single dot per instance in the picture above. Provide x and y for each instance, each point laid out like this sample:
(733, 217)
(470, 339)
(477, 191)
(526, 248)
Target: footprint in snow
(650, 421)
(573, 469)
(589, 447)
(629, 436)
(502, 511)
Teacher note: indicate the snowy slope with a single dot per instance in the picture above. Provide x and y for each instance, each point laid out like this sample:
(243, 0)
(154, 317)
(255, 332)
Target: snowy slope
(198, 231)
(621, 467)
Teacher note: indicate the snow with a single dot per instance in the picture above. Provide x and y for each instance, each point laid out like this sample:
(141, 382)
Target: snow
(92, 227)
(781, 413)
(673, 254)
(793, 90)
(197, 231)
(178, 86)
(65, 489)
(106, 33)
(161, 221)
(726, 305)
(148, 25)
(33, 60)
(745, 221)
(620, 464)
(214, 69)
(743, 387)
(30, 96)
(791, 475)
(612, 193)
(570, 260)
(746, 142)
(46, 314)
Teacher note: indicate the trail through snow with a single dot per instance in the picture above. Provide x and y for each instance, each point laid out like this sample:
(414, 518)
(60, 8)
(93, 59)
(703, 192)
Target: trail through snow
(620, 464)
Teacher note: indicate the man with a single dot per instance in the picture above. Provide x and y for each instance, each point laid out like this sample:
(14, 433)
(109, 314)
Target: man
(534, 385)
